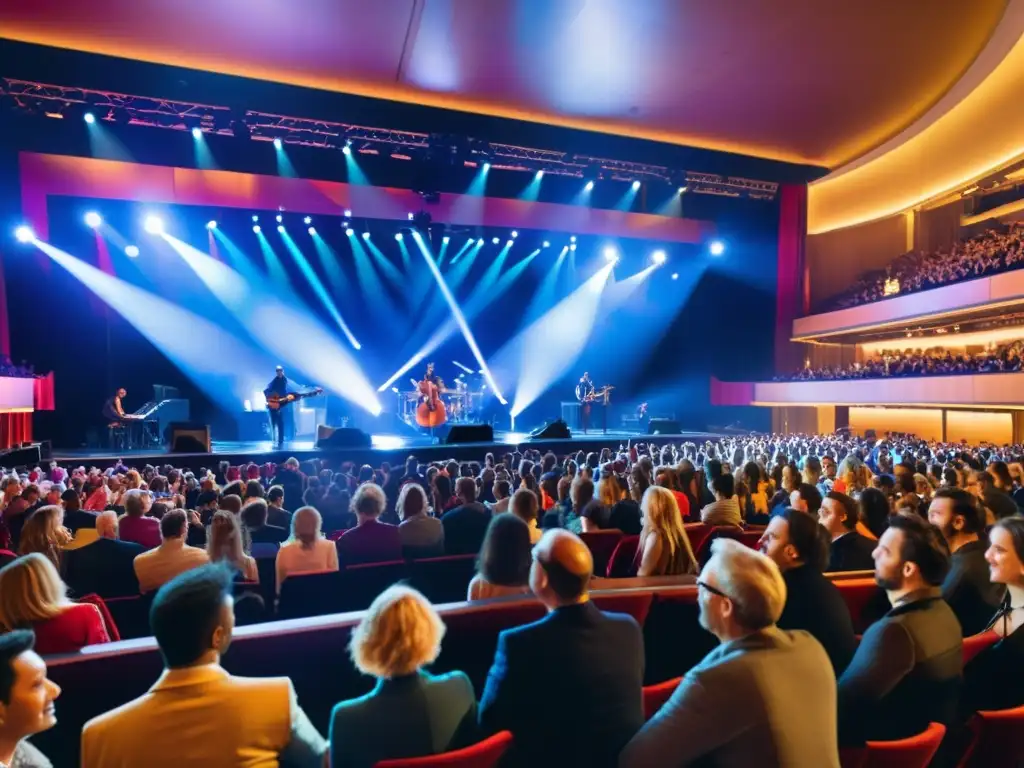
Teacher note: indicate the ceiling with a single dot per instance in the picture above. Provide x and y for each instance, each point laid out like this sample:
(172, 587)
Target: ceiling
(783, 80)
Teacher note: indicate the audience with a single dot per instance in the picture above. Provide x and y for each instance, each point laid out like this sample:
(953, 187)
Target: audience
(75, 517)
(371, 541)
(567, 686)
(849, 550)
(225, 546)
(105, 566)
(44, 532)
(196, 713)
(158, 566)
(725, 509)
(664, 548)
(259, 531)
(26, 700)
(277, 515)
(466, 524)
(504, 565)
(736, 707)
(134, 525)
(32, 596)
(526, 507)
(422, 535)
(306, 550)
(807, 498)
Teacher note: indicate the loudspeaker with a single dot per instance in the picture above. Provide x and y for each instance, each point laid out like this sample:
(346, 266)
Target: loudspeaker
(189, 437)
(663, 427)
(555, 430)
(28, 456)
(341, 437)
(470, 433)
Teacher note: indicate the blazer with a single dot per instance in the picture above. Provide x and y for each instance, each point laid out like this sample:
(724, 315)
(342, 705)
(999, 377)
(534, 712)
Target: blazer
(968, 591)
(994, 679)
(158, 566)
(905, 673)
(411, 716)
(203, 716)
(735, 708)
(814, 604)
(587, 668)
(851, 552)
(464, 528)
(268, 534)
(104, 567)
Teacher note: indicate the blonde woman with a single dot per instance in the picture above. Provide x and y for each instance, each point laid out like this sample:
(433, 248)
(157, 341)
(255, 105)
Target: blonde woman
(400, 634)
(306, 549)
(664, 546)
(32, 596)
(44, 532)
(224, 543)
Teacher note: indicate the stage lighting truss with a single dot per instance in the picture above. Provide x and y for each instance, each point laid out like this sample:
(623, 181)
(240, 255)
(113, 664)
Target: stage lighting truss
(56, 101)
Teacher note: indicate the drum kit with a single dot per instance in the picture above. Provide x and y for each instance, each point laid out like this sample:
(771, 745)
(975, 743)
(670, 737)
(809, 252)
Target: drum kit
(461, 403)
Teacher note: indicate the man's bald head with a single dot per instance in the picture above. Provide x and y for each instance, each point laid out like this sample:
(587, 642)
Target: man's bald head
(562, 568)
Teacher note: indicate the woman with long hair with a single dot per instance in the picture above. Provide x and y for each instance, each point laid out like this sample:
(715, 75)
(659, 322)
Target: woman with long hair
(503, 567)
(756, 508)
(874, 513)
(44, 532)
(441, 488)
(789, 481)
(224, 543)
(306, 549)
(664, 546)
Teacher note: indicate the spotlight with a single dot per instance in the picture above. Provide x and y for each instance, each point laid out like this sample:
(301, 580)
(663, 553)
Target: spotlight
(411, 216)
(24, 234)
(682, 190)
(480, 241)
(279, 218)
(717, 248)
(675, 275)
(131, 251)
(495, 240)
(308, 220)
(572, 247)
(395, 390)
(255, 217)
(658, 257)
(90, 118)
(508, 243)
(398, 236)
(588, 186)
(348, 213)
(610, 254)
(280, 228)
(346, 150)
(547, 244)
(277, 143)
(636, 185)
(211, 224)
(366, 235)
(487, 166)
(514, 234)
(572, 239)
(539, 175)
(154, 225)
(197, 133)
(350, 231)
(256, 228)
(445, 239)
(92, 219)
(312, 231)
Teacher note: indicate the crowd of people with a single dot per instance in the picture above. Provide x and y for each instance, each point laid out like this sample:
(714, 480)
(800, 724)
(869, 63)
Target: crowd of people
(992, 251)
(938, 524)
(932, 361)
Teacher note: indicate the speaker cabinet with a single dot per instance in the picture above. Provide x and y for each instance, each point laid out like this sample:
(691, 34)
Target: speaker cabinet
(347, 437)
(189, 437)
(556, 430)
(25, 456)
(470, 433)
(663, 427)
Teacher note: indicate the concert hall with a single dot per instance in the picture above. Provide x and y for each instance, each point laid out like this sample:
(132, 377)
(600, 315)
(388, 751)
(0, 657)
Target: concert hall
(348, 348)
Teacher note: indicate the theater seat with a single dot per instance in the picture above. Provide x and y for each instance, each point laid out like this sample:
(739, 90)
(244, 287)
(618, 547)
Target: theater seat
(696, 533)
(443, 579)
(703, 553)
(602, 545)
(130, 614)
(7, 556)
(998, 740)
(975, 644)
(859, 595)
(485, 754)
(914, 752)
(622, 563)
(108, 620)
(310, 594)
(656, 695)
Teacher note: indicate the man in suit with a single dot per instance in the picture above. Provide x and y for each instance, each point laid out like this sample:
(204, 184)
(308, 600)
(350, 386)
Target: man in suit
(196, 713)
(967, 587)
(276, 513)
(254, 518)
(735, 708)
(105, 566)
(849, 550)
(586, 666)
(906, 671)
(797, 544)
(466, 524)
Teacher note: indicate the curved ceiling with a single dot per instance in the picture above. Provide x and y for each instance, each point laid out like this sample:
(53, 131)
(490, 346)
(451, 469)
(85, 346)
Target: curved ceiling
(788, 80)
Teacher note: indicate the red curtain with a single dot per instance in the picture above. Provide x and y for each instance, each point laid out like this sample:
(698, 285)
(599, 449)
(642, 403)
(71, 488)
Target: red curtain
(15, 428)
(792, 298)
(44, 400)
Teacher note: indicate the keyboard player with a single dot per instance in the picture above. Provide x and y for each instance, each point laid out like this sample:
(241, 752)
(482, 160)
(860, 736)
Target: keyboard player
(113, 411)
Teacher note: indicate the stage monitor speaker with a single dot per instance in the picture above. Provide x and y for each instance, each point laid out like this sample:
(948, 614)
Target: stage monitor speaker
(470, 433)
(663, 427)
(341, 437)
(189, 437)
(555, 430)
(26, 456)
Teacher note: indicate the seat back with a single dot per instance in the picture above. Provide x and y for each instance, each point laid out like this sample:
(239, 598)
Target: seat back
(914, 752)
(485, 754)
(703, 553)
(635, 604)
(602, 545)
(362, 583)
(863, 597)
(108, 620)
(975, 644)
(622, 563)
(696, 533)
(130, 615)
(7, 556)
(656, 695)
(311, 594)
(998, 739)
(443, 579)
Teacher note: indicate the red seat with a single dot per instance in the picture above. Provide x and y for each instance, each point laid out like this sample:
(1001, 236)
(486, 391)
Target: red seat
(622, 563)
(656, 695)
(602, 546)
(636, 604)
(108, 620)
(975, 644)
(914, 752)
(485, 754)
(998, 739)
(696, 533)
(703, 552)
(7, 556)
(858, 594)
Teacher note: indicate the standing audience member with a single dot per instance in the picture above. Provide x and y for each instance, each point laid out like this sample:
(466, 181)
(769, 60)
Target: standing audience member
(664, 548)
(422, 535)
(32, 596)
(400, 635)
(735, 708)
(196, 713)
(725, 509)
(466, 524)
(503, 567)
(589, 665)
(525, 507)
(105, 566)
(502, 489)
(849, 551)
(158, 566)
(26, 701)
(135, 526)
(966, 588)
(906, 671)
(371, 541)
(306, 550)
(225, 546)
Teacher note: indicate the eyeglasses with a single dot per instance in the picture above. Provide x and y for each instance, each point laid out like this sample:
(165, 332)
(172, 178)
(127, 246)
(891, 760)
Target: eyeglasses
(711, 589)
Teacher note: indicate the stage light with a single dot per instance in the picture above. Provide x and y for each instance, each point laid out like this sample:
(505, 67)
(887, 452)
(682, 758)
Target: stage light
(480, 241)
(211, 224)
(658, 257)
(445, 239)
(24, 234)
(346, 150)
(411, 216)
(395, 390)
(255, 217)
(547, 244)
(588, 186)
(280, 227)
(92, 219)
(197, 133)
(131, 251)
(308, 220)
(495, 240)
(90, 118)
(636, 185)
(154, 225)
(572, 239)
(610, 254)
(350, 231)
(682, 190)
(514, 234)
(487, 166)
(572, 247)
(312, 230)
(675, 275)
(508, 243)
(348, 213)
(366, 235)
(277, 143)
(398, 236)
(256, 228)
(279, 218)
(717, 248)
(539, 175)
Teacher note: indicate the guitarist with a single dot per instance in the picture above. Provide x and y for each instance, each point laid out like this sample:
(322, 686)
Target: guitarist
(278, 386)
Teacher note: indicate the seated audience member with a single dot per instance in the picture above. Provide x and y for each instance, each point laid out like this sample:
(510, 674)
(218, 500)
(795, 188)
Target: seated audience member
(502, 491)
(336, 508)
(797, 544)
(399, 636)
(906, 671)
(32, 596)
(196, 713)
(526, 507)
(134, 525)
(995, 499)
(466, 524)
(225, 546)
(74, 516)
(588, 664)
(20, 507)
(276, 513)
(806, 498)
(207, 506)
(371, 541)
(735, 708)
(421, 534)
(229, 502)
(158, 566)
(725, 509)
(874, 509)
(664, 548)
(306, 550)
(967, 587)
(849, 550)
(503, 567)
(26, 701)
(994, 679)
(254, 518)
(666, 478)
(105, 566)
(44, 532)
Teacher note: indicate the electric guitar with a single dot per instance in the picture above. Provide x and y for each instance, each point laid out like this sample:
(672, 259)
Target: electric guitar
(275, 402)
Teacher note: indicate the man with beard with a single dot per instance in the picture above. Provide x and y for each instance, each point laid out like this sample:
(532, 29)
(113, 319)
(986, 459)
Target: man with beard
(736, 706)
(906, 672)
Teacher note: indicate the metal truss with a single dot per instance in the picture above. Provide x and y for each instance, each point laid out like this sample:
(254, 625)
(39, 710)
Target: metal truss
(63, 101)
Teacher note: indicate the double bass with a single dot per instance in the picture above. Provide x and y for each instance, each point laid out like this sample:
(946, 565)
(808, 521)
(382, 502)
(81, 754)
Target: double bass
(430, 412)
